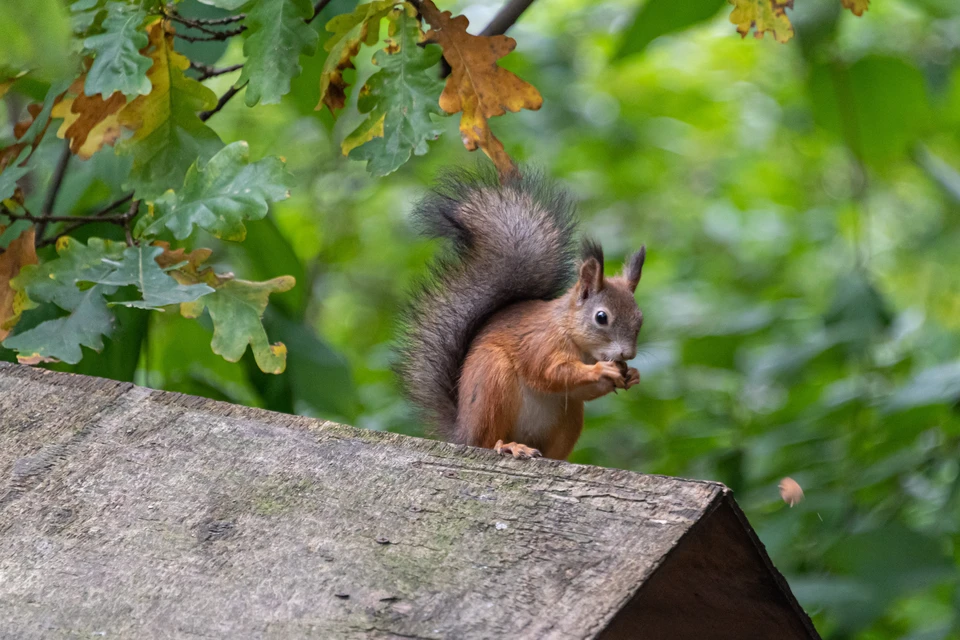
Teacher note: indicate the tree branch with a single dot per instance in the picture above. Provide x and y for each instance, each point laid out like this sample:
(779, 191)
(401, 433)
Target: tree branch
(224, 99)
(58, 173)
(216, 21)
(82, 220)
(206, 71)
(506, 17)
(214, 35)
(317, 8)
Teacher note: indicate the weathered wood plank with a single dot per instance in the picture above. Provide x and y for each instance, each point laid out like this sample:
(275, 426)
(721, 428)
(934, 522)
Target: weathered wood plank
(138, 512)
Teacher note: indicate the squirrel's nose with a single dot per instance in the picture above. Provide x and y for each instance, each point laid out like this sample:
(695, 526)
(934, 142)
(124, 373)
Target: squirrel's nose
(628, 354)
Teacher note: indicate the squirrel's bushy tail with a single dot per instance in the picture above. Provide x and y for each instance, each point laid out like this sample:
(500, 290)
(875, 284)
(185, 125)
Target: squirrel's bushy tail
(512, 240)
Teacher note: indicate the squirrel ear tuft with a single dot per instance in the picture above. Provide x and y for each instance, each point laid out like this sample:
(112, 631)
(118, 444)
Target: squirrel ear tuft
(591, 279)
(633, 268)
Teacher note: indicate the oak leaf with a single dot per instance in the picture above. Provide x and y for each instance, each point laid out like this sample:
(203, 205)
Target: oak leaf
(119, 63)
(349, 30)
(277, 35)
(220, 196)
(19, 253)
(89, 122)
(763, 16)
(477, 86)
(399, 99)
(856, 6)
(58, 282)
(138, 267)
(168, 134)
(236, 307)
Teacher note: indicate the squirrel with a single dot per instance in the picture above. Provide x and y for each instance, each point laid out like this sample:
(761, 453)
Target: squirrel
(498, 350)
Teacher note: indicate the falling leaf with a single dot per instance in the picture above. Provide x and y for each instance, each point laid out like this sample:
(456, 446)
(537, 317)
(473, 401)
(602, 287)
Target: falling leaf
(57, 282)
(236, 308)
(19, 253)
(219, 197)
(349, 32)
(764, 16)
(790, 491)
(118, 64)
(276, 38)
(477, 86)
(399, 99)
(138, 267)
(89, 122)
(856, 6)
(169, 136)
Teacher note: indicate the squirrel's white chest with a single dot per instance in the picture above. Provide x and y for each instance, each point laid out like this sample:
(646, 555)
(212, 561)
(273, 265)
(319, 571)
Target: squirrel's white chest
(540, 413)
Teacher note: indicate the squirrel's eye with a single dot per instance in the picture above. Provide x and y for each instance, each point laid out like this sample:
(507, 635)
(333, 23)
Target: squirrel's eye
(601, 317)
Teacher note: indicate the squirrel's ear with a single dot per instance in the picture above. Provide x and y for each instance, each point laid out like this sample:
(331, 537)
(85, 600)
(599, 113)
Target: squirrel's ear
(591, 279)
(633, 267)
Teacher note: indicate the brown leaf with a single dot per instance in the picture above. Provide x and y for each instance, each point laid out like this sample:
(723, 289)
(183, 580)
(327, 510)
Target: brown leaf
(89, 122)
(764, 16)
(19, 252)
(790, 491)
(192, 272)
(477, 86)
(21, 127)
(857, 6)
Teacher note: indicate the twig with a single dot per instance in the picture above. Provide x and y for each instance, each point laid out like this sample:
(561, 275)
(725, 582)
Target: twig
(506, 17)
(83, 220)
(127, 218)
(58, 173)
(216, 21)
(206, 71)
(317, 8)
(224, 99)
(218, 35)
(26, 215)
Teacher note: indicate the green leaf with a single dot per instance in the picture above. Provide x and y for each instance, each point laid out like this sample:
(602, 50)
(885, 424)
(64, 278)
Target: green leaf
(56, 281)
(168, 135)
(278, 37)
(228, 190)
(138, 267)
(12, 173)
(398, 99)
(236, 308)
(35, 35)
(118, 64)
(85, 14)
(660, 17)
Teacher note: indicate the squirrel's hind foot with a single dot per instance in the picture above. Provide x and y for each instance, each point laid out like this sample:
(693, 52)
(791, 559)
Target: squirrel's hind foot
(519, 451)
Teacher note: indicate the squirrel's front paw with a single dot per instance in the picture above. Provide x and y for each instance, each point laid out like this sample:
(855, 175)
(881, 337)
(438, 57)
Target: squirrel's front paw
(611, 371)
(632, 377)
(520, 451)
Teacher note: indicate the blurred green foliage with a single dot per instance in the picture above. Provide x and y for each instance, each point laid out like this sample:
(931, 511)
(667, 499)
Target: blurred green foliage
(801, 208)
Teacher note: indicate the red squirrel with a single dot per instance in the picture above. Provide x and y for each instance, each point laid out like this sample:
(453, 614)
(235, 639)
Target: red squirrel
(498, 347)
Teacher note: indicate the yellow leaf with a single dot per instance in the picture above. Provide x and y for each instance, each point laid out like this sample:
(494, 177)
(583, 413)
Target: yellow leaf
(764, 16)
(857, 6)
(365, 133)
(477, 86)
(89, 122)
(19, 252)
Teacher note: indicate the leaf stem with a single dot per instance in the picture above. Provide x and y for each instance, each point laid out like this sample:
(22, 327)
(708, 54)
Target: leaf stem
(56, 181)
